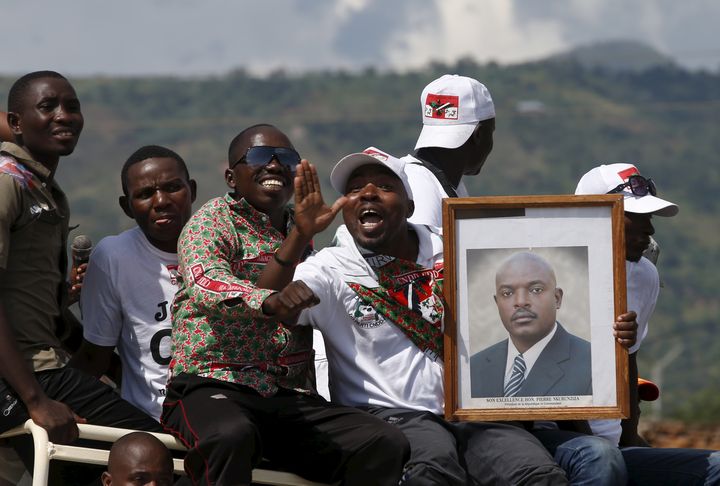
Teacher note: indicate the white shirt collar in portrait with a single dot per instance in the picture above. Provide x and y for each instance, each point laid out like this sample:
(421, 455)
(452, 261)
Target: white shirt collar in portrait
(530, 356)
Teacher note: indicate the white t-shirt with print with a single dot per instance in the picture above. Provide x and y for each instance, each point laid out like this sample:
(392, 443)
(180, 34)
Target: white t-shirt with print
(371, 361)
(126, 298)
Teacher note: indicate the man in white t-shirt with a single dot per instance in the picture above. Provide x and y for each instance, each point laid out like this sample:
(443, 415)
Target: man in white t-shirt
(131, 278)
(456, 139)
(645, 465)
(380, 312)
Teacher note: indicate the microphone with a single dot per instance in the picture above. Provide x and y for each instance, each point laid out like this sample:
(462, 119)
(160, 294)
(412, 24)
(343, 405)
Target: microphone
(81, 248)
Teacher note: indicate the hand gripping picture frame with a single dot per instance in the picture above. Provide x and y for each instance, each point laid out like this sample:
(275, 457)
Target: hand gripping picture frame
(533, 285)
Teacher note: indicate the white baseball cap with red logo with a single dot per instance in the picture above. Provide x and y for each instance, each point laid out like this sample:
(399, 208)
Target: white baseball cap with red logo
(370, 156)
(451, 107)
(607, 178)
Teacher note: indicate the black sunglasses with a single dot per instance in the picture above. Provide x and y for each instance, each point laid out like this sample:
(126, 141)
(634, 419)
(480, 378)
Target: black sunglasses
(638, 185)
(262, 156)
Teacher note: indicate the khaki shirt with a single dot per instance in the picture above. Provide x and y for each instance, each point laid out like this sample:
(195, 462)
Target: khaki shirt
(33, 235)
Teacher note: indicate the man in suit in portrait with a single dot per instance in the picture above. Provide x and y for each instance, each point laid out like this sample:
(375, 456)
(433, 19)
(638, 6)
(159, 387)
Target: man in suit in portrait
(540, 358)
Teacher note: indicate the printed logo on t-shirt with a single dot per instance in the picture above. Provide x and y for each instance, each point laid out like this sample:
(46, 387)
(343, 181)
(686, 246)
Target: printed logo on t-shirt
(365, 316)
(173, 271)
(441, 106)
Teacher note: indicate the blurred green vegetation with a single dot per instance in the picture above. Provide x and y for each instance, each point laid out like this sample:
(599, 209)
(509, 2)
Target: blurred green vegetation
(664, 119)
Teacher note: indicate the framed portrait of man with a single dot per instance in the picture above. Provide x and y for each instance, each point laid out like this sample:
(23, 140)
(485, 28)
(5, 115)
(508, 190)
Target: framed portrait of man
(533, 285)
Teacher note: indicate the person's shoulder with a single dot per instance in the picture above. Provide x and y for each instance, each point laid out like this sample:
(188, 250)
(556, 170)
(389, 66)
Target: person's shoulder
(643, 270)
(216, 209)
(318, 263)
(416, 171)
(12, 171)
(113, 247)
(489, 352)
(213, 205)
(574, 340)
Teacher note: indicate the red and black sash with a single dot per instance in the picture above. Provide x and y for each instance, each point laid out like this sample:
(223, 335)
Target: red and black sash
(409, 296)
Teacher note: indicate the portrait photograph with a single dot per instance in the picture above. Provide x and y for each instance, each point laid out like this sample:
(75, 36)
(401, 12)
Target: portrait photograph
(533, 287)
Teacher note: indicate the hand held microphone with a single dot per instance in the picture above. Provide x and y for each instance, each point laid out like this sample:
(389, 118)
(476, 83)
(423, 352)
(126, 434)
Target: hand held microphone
(81, 248)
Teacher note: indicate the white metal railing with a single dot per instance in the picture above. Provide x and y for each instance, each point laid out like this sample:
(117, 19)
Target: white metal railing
(45, 451)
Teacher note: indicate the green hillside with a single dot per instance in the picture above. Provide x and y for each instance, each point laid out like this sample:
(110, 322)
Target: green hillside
(555, 121)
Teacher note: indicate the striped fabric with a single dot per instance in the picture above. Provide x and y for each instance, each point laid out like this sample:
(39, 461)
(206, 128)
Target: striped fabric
(516, 378)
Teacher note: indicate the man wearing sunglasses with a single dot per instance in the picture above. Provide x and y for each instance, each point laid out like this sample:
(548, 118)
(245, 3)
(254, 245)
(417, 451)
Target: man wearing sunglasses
(645, 465)
(240, 384)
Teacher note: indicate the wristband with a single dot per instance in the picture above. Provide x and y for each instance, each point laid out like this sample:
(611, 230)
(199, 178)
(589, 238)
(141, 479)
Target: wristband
(283, 263)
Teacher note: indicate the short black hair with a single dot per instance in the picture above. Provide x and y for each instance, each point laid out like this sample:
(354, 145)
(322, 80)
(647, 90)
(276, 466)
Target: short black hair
(19, 89)
(236, 140)
(150, 152)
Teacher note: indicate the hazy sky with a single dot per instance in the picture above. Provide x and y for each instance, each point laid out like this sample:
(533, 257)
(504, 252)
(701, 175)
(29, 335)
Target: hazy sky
(184, 37)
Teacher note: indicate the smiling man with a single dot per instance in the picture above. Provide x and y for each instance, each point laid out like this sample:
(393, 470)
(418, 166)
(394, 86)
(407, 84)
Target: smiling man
(131, 278)
(240, 384)
(540, 357)
(45, 118)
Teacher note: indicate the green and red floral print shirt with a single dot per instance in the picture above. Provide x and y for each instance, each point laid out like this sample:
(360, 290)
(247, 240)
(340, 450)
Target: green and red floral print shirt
(221, 253)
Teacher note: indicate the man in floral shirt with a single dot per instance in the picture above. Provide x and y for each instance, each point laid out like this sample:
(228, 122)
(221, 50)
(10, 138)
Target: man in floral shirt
(239, 385)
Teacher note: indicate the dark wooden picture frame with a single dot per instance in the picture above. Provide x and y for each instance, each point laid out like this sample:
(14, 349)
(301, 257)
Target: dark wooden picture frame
(582, 240)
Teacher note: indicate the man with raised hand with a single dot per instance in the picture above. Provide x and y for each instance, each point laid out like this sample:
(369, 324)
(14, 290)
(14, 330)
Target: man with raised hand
(240, 383)
(381, 313)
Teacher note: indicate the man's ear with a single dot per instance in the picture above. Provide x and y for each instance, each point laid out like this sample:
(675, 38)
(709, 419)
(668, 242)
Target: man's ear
(193, 190)
(125, 205)
(230, 178)
(558, 297)
(13, 120)
(106, 479)
(411, 208)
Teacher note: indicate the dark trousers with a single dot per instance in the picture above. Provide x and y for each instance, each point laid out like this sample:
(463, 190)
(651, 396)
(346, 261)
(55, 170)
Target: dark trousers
(474, 453)
(88, 398)
(228, 428)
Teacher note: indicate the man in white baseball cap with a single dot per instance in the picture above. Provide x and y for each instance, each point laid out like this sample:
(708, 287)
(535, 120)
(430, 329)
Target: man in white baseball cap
(370, 156)
(639, 192)
(381, 314)
(457, 137)
(645, 465)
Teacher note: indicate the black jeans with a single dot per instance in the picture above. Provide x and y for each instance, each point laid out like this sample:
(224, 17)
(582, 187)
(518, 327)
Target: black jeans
(88, 398)
(228, 428)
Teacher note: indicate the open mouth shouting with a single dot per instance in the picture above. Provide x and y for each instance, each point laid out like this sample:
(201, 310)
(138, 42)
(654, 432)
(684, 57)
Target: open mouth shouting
(371, 220)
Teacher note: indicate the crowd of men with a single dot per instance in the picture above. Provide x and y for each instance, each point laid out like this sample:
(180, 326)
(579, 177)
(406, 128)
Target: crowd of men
(212, 313)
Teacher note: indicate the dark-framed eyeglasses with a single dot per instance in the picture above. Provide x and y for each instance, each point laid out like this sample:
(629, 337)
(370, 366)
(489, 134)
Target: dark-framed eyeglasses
(262, 156)
(638, 185)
